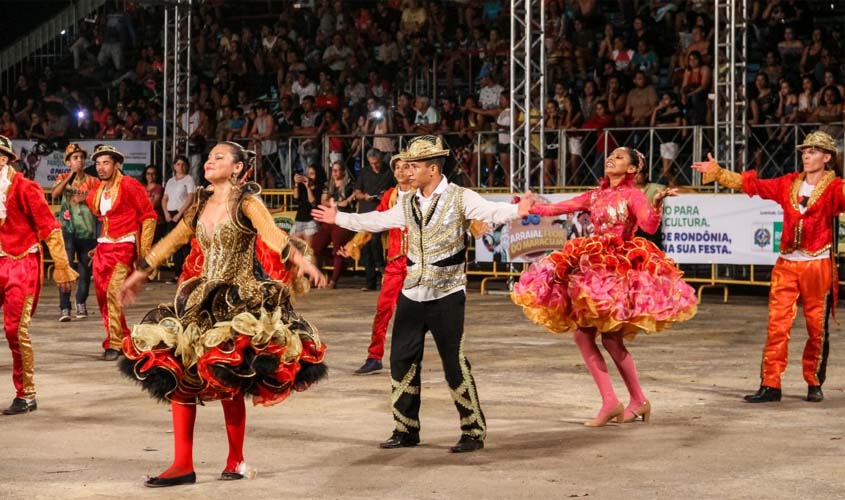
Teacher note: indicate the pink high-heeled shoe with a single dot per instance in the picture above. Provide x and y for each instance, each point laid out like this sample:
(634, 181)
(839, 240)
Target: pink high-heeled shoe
(603, 418)
(644, 412)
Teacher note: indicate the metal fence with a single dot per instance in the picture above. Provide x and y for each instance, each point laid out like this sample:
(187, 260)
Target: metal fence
(578, 160)
(579, 157)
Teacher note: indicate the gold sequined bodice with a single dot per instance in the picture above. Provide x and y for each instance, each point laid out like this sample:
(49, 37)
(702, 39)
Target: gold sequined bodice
(228, 253)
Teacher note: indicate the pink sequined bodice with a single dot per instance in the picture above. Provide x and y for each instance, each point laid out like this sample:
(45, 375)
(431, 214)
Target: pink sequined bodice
(616, 211)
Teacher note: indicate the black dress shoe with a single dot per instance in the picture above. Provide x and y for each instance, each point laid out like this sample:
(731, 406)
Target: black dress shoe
(400, 440)
(230, 476)
(765, 394)
(20, 405)
(164, 482)
(372, 365)
(467, 444)
(814, 394)
(111, 354)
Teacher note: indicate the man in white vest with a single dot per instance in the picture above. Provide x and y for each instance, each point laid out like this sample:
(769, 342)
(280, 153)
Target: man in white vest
(437, 218)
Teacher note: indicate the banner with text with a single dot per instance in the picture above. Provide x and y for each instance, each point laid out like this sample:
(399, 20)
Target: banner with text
(721, 229)
(44, 161)
(696, 229)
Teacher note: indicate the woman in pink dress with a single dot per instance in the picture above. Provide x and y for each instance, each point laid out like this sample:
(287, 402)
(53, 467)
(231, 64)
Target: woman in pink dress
(611, 284)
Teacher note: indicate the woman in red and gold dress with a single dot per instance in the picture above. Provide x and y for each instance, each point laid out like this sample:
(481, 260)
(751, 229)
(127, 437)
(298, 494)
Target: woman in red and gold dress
(232, 330)
(610, 285)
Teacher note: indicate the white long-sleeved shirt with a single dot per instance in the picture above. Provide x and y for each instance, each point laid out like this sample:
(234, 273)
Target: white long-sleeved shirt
(475, 208)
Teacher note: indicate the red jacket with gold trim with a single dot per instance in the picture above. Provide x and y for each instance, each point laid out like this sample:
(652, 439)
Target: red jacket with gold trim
(130, 209)
(396, 242)
(29, 219)
(812, 231)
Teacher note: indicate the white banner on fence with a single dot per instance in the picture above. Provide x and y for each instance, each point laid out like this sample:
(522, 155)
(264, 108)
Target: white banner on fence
(44, 164)
(696, 229)
(721, 229)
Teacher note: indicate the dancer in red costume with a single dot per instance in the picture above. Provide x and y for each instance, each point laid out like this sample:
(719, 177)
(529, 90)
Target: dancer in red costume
(394, 271)
(25, 221)
(804, 269)
(611, 285)
(128, 227)
(230, 332)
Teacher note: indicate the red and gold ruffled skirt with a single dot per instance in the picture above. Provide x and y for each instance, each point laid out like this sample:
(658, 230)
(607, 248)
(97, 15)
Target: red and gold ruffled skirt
(607, 284)
(219, 342)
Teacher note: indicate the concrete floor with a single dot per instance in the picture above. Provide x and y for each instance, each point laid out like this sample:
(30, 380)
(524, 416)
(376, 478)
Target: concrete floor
(95, 435)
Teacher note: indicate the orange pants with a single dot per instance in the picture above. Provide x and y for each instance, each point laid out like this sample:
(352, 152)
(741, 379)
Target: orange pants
(811, 281)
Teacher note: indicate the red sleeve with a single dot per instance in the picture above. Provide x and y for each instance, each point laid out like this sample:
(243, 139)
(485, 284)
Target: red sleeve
(383, 205)
(138, 194)
(580, 202)
(37, 207)
(648, 219)
(838, 204)
(768, 189)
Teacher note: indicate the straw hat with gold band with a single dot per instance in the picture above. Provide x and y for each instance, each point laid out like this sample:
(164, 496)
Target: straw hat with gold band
(105, 149)
(72, 148)
(6, 148)
(424, 147)
(821, 140)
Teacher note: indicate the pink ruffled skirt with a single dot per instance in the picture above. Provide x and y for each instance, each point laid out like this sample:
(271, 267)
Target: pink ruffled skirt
(605, 283)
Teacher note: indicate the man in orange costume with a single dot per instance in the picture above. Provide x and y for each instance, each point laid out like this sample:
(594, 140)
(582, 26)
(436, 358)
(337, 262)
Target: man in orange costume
(805, 269)
(25, 221)
(128, 226)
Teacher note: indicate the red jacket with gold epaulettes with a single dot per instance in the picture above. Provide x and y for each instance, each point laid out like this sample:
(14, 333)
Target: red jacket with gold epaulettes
(812, 231)
(131, 212)
(397, 244)
(29, 219)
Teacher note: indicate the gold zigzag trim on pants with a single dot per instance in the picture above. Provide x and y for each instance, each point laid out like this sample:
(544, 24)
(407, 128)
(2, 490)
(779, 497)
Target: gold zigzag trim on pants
(474, 405)
(400, 388)
(471, 392)
(25, 347)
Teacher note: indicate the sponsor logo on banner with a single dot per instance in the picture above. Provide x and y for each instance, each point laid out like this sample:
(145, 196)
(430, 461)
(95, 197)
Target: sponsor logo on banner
(778, 232)
(762, 237)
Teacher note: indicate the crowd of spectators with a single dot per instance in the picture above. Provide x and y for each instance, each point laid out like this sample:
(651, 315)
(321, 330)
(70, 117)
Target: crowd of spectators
(352, 69)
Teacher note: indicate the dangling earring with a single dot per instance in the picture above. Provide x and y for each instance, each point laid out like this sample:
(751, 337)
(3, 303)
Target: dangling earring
(233, 179)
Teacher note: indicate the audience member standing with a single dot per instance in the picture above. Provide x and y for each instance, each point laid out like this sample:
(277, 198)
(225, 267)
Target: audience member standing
(178, 196)
(79, 226)
(374, 181)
